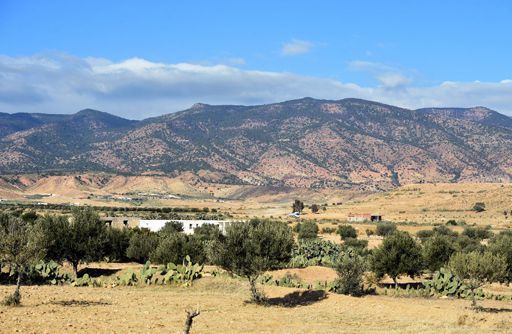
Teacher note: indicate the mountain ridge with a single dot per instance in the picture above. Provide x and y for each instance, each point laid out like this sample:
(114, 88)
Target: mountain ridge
(299, 143)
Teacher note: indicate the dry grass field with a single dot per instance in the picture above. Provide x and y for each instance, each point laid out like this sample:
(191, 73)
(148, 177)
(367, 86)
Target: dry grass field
(222, 301)
(421, 203)
(432, 204)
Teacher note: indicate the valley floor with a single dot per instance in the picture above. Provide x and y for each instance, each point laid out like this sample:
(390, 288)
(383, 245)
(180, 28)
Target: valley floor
(425, 204)
(161, 309)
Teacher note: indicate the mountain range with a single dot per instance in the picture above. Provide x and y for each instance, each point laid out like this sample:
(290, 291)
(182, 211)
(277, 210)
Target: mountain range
(300, 143)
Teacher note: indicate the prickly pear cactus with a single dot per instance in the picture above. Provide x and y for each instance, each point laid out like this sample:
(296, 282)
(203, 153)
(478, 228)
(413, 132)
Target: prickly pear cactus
(147, 273)
(128, 279)
(85, 280)
(182, 274)
(445, 283)
(49, 272)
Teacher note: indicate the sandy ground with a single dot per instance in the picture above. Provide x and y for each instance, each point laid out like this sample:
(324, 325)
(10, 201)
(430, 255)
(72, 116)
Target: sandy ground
(309, 274)
(157, 309)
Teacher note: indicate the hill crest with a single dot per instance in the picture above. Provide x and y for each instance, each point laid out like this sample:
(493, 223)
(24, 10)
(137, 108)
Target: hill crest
(297, 143)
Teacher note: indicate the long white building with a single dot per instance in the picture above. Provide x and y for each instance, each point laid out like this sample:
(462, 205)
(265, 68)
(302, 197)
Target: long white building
(156, 225)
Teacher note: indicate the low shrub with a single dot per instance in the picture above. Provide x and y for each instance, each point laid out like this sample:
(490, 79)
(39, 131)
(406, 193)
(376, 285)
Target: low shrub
(424, 234)
(359, 246)
(307, 230)
(328, 230)
(142, 244)
(347, 231)
(350, 269)
(478, 233)
(385, 228)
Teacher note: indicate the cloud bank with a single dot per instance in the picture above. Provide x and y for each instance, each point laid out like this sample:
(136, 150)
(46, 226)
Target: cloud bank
(136, 88)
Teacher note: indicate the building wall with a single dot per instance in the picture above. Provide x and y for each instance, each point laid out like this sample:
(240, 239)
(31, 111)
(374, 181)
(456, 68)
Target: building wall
(188, 225)
(358, 219)
(120, 222)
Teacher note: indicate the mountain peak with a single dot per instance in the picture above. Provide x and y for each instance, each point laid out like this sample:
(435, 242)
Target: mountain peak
(199, 105)
(90, 112)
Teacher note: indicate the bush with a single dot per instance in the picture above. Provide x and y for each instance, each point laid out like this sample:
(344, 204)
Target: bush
(171, 248)
(307, 230)
(502, 245)
(465, 244)
(369, 232)
(479, 207)
(347, 231)
(478, 233)
(443, 230)
(171, 227)
(359, 246)
(399, 254)
(384, 229)
(437, 251)
(207, 232)
(142, 244)
(477, 268)
(328, 230)
(424, 234)
(30, 216)
(12, 300)
(197, 248)
(118, 243)
(350, 269)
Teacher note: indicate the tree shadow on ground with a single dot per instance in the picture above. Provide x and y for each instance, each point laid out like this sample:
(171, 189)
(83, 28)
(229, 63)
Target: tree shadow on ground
(412, 285)
(74, 302)
(97, 272)
(493, 309)
(298, 298)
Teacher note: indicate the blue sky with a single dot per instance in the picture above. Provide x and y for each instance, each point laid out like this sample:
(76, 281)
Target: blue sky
(144, 58)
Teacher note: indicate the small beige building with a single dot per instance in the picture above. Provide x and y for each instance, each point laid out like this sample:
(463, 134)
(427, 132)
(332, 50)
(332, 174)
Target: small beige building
(120, 222)
(364, 217)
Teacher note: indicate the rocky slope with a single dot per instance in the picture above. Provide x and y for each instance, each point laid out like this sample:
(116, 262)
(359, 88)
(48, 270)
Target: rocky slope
(299, 143)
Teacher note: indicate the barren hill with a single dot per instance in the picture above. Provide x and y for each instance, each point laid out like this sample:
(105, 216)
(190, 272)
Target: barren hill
(300, 143)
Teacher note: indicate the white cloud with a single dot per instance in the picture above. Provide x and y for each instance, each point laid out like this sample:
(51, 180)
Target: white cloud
(387, 76)
(138, 88)
(296, 47)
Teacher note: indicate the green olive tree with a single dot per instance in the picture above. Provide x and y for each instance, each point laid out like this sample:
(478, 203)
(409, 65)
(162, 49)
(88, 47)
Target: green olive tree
(21, 245)
(477, 269)
(251, 248)
(82, 237)
(399, 254)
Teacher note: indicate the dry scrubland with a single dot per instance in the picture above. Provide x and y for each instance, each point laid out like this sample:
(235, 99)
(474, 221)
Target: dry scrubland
(432, 203)
(48, 309)
(222, 300)
(421, 203)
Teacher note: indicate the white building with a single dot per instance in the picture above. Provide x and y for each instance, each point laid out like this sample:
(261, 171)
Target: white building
(188, 225)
